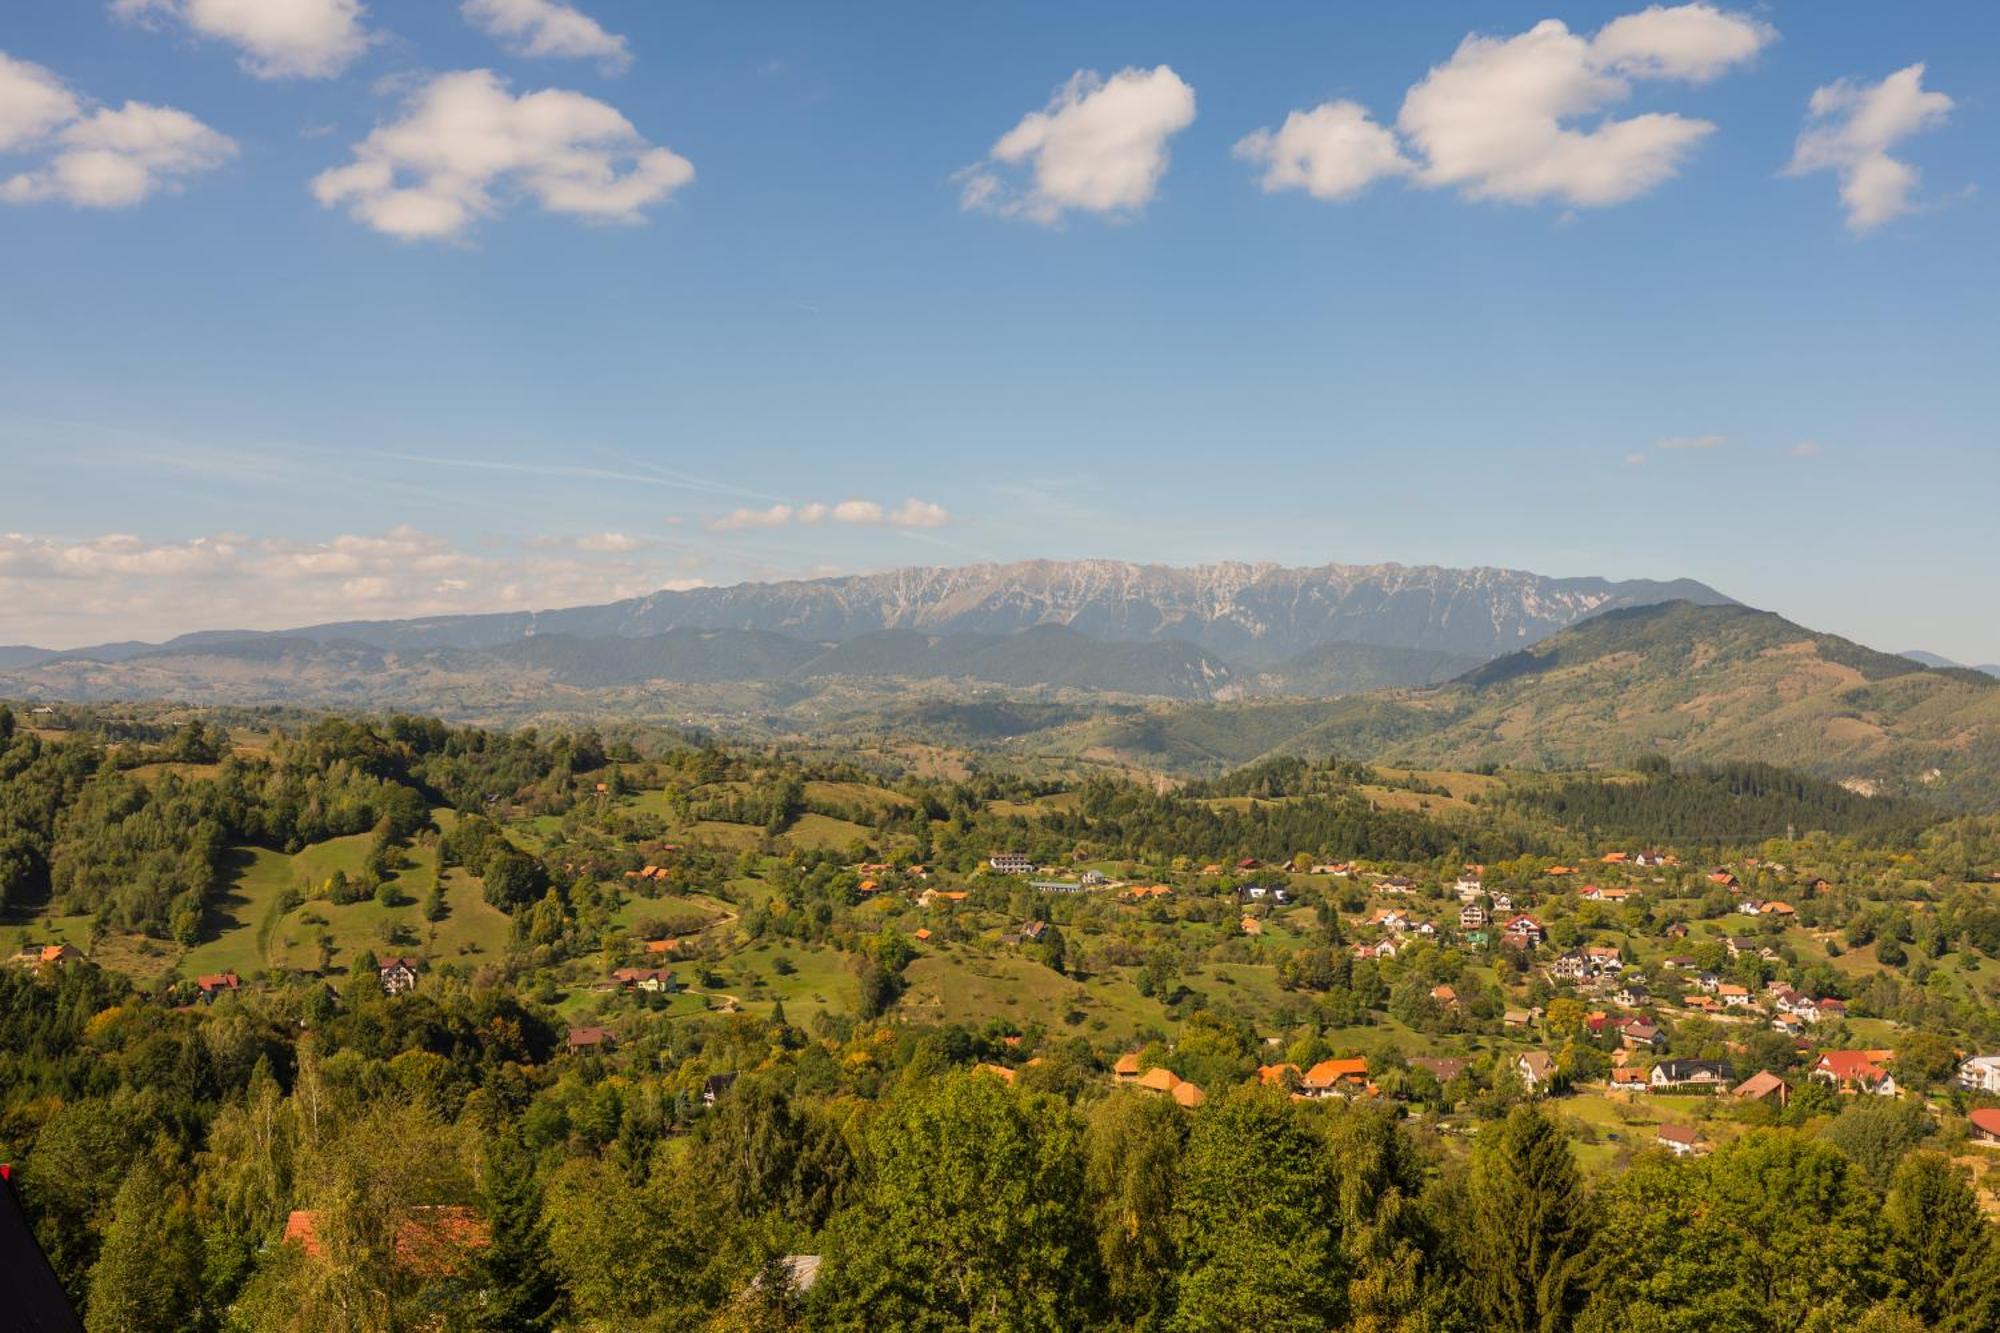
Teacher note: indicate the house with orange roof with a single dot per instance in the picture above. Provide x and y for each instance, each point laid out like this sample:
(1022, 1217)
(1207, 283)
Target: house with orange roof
(1169, 1084)
(1445, 996)
(1126, 1069)
(49, 955)
(1985, 1124)
(921, 933)
(1763, 1086)
(1858, 1071)
(1279, 1075)
(1331, 1078)
(212, 984)
(1001, 1072)
(435, 1241)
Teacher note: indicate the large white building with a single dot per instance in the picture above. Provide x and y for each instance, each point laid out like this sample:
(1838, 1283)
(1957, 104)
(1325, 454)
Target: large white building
(1980, 1074)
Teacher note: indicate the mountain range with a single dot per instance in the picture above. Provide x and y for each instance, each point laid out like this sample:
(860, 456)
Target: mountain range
(1180, 671)
(1094, 625)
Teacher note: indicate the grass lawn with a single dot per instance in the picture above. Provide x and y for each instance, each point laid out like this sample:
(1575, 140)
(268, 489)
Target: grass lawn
(855, 794)
(948, 985)
(820, 980)
(824, 833)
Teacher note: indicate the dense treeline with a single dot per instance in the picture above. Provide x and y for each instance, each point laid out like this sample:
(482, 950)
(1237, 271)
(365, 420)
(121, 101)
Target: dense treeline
(83, 825)
(1720, 803)
(166, 1150)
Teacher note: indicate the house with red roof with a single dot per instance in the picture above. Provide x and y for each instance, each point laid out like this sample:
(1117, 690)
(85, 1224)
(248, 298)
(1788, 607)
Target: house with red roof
(1858, 1071)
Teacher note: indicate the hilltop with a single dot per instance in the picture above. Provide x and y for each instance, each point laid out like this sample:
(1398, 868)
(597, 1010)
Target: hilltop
(1691, 682)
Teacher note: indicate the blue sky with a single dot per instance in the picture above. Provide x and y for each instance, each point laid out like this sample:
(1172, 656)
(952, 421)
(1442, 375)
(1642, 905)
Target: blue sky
(244, 400)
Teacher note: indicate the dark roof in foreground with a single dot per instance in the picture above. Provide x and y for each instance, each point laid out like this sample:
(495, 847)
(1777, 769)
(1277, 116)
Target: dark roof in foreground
(34, 1300)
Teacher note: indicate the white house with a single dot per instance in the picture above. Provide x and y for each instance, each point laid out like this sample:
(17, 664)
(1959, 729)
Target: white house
(1980, 1074)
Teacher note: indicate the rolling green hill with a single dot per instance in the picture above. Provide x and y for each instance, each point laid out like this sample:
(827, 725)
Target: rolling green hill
(1692, 682)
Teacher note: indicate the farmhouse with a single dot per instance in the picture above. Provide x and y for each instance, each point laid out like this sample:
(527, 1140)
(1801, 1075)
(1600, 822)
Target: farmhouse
(213, 984)
(1677, 1074)
(1336, 1077)
(1858, 1071)
(1763, 1086)
(398, 974)
(1683, 1140)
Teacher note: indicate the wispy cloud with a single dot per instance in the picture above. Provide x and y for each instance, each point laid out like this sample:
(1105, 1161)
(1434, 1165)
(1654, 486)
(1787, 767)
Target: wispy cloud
(1691, 442)
(1804, 449)
(66, 591)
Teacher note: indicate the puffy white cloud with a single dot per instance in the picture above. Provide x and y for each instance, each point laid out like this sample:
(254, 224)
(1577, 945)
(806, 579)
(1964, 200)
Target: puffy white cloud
(464, 141)
(63, 593)
(919, 514)
(1331, 152)
(33, 102)
(96, 157)
(912, 513)
(739, 520)
(547, 28)
(279, 39)
(1100, 146)
(1693, 42)
(857, 511)
(1851, 127)
(1692, 442)
(1510, 118)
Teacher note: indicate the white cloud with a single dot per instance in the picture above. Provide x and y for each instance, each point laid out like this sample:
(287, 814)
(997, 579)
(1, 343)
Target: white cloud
(547, 28)
(857, 511)
(1850, 128)
(1693, 42)
(612, 541)
(33, 102)
(1510, 118)
(464, 140)
(280, 39)
(1331, 152)
(96, 157)
(912, 513)
(1100, 146)
(738, 520)
(919, 514)
(1692, 442)
(1804, 449)
(1635, 460)
(65, 592)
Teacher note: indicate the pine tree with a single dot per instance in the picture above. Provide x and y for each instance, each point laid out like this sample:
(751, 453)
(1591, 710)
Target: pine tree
(1528, 1226)
(1263, 1251)
(148, 1276)
(519, 1276)
(1941, 1254)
